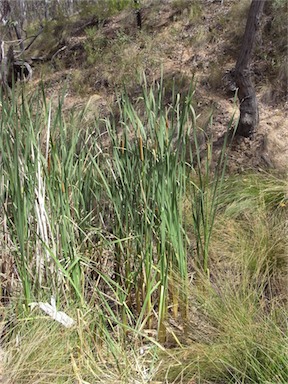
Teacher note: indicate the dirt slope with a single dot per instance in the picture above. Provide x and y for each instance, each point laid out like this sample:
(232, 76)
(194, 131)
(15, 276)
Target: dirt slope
(198, 41)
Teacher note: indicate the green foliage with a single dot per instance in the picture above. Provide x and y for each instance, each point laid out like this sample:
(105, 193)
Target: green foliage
(40, 186)
(194, 9)
(239, 327)
(53, 197)
(131, 55)
(280, 4)
(104, 8)
(116, 218)
(94, 45)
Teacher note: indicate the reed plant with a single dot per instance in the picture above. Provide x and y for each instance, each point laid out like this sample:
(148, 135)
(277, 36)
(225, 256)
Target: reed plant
(43, 197)
(60, 183)
(131, 223)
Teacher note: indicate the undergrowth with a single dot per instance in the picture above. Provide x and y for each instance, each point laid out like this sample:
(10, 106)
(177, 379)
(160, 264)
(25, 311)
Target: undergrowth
(170, 270)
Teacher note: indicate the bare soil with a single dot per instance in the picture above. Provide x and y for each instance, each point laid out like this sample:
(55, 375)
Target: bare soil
(212, 52)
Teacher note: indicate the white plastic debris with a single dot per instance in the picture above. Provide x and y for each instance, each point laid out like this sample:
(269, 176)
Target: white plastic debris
(51, 310)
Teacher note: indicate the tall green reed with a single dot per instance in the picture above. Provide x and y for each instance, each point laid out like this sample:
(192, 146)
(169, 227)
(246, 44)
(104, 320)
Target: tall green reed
(146, 179)
(42, 176)
(63, 183)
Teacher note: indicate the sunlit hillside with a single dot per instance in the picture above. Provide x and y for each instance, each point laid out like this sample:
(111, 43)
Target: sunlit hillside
(142, 240)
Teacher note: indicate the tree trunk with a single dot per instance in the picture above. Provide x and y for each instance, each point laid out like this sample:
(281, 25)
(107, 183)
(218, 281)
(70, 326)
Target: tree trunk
(6, 72)
(138, 14)
(249, 114)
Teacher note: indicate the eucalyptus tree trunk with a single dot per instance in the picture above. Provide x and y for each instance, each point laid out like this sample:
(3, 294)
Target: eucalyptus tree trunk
(6, 68)
(249, 114)
(12, 66)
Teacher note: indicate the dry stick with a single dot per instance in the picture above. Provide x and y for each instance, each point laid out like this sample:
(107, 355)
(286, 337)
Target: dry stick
(33, 39)
(59, 50)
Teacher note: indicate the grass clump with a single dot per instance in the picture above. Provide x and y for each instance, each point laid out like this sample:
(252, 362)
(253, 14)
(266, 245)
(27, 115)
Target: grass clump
(194, 10)
(40, 350)
(245, 344)
(104, 9)
(237, 327)
(94, 45)
(131, 55)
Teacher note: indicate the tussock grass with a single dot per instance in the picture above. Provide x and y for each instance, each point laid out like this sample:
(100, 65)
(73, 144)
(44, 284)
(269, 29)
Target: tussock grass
(244, 346)
(237, 325)
(42, 351)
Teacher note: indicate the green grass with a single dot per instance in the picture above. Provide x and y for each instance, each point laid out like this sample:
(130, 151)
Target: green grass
(57, 180)
(238, 327)
(169, 268)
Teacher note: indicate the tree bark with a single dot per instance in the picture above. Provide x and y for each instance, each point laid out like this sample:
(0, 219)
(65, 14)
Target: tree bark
(138, 14)
(249, 114)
